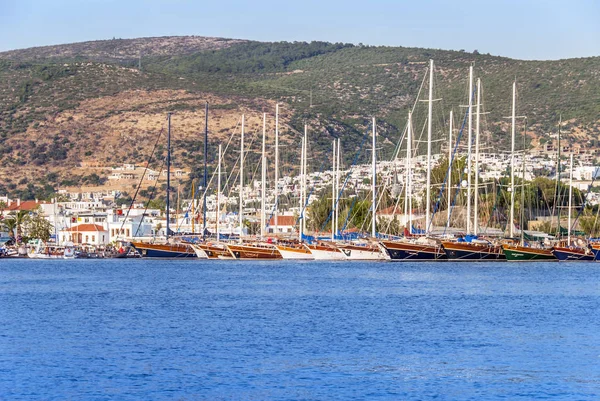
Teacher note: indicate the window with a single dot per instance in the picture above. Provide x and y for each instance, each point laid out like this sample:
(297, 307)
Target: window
(128, 232)
(93, 238)
(103, 239)
(87, 238)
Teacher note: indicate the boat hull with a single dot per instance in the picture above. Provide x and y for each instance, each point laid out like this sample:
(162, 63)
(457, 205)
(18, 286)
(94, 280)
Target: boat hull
(164, 250)
(212, 251)
(569, 254)
(472, 252)
(518, 253)
(355, 252)
(399, 250)
(254, 252)
(321, 252)
(296, 253)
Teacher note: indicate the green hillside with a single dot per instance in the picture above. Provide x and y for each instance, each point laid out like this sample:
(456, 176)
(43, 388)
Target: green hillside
(335, 88)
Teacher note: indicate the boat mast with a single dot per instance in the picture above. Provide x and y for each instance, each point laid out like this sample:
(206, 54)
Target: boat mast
(449, 185)
(263, 178)
(333, 195)
(205, 184)
(276, 167)
(476, 191)
(408, 172)
(304, 181)
(193, 208)
(557, 194)
(522, 222)
(219, 192)
(337, 188)
(373, 184)
(469, 157)
(429, 127)
(302, 172)
(168, 172)
(512, 161)
(570, 201)
(241, 212)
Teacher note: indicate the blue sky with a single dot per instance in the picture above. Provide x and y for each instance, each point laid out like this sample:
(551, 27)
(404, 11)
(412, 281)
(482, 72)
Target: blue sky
(527, 29)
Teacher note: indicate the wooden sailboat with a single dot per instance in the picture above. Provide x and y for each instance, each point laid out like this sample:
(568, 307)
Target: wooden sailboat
(474, 249)
(168, 249)
(422, 248)
(568, 251)
(514, 251)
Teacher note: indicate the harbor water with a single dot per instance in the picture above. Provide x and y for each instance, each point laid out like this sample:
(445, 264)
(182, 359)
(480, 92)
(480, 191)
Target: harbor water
(277, 330)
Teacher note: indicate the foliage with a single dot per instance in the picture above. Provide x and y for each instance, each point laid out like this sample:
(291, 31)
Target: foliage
(37, 226)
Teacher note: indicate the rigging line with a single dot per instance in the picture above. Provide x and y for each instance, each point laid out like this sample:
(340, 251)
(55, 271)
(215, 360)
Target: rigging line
(150, 198)
(586, 198)
(365, 135)
(141, 179)
(309, 194)
(458, 138)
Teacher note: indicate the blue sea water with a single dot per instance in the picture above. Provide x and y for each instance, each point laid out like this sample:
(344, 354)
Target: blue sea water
(226, 330)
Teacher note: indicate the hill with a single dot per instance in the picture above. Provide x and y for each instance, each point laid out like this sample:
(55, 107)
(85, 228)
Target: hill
(61, 106)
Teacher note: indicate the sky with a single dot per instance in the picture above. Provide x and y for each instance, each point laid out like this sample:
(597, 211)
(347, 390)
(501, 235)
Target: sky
(526, 29)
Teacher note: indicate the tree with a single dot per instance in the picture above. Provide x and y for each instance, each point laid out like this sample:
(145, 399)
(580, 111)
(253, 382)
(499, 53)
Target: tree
(20, 217)
(37, 226)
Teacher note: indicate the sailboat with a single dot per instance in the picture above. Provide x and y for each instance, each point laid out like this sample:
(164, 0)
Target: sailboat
(366, 250)
(169, 249)
(249, 250)
(422, 247)
(520, 251)
(570, 251)
(471, 248)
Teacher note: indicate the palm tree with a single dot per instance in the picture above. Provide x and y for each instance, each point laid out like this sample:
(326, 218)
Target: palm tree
(10, 224)
(19, 217)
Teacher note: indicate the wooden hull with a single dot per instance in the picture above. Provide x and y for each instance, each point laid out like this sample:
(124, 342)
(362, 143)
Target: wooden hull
(254, 252)
(568, 254)
(517, 253)
(164, 250)
(472, 252)
(325, 252)
(401, 250)
(357, 252)
(298, 252)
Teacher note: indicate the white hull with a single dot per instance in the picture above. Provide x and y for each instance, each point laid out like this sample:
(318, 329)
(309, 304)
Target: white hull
(45, 256)
(319, 254)
(295, 255)
(367, 254)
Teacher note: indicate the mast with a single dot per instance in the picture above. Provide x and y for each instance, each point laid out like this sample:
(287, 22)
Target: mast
(449, 185)
(219, 192)
(512, 161)
(333, 195)
(337, 188)
(304, 181)
(276, 167)
(205, 184)
(557, 196)
(373, 183)
(522, 222)
(263, 184)
(408, 172)
(193, 208)
(469, 158)
(570, 200)
(429, 127)
(168, 172)
(241, 212)
(302, 172)
(476, 191)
